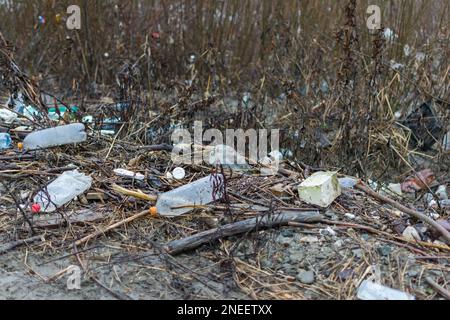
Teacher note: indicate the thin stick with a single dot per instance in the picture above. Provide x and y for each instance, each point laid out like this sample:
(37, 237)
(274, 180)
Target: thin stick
(438, 288)
(113, 226)
(404, 209)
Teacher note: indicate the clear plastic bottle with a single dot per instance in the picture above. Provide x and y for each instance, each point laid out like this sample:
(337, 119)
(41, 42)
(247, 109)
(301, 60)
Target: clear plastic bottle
(66, 187)
(369, 290)
(199, 192)
(71, 133)
(5, 140)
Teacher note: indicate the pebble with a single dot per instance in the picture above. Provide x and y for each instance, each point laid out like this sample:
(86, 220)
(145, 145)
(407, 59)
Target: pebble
(358, 253)
(338, 243)
(411, 234)
(285, 241)
(288, 233)
(413, 273)
(365, 237)
(306, 277)
(296, 257)
(384, 250)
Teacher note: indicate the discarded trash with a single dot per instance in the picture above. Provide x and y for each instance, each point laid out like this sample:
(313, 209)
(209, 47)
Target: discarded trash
(441, 192)
(53, 115)
(418, 182)
(349, 215)
(65, 188)
(7, 116)
(5, 140)
(320, 189)
(129, 174)
(393, 189)
(226, 156)
(446, 142)
(347, 182)
(183, 199)
(35, 208)
(369, 290)
(411, 234)
(442, 203)
(389, 35)
(178, 173)
(72, 133)
(425, 125)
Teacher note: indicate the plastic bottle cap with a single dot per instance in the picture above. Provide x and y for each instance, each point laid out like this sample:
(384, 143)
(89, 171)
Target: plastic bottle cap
(153, 212)
(178, 173)
(35, 208)
(20, 146)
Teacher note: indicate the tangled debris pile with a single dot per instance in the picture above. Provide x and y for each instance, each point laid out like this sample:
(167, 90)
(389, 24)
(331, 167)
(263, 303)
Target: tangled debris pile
(254, 236)
(140, 227)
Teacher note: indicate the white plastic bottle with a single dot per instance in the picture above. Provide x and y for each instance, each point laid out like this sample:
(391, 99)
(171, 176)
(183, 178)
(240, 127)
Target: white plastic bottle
(71, 133)
(199, 192)
(65, 188)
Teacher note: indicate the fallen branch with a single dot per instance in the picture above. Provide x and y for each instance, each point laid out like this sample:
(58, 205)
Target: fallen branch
(404, 209)
(113, 226)
(14, 244)
(196, 240)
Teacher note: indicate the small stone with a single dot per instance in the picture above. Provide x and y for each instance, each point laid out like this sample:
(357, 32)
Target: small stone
(296, 257)
(358, 253)
(284, 241)
(288, 233)
(365, 237)
(384, 250)
(346, 274)
(329, 213)
(338, 243)
(410, 233)
(413, 273)
(309, 239)
(306, 277)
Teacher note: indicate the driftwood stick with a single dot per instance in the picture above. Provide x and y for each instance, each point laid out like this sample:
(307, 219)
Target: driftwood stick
(283, 218)
(404, 209)
(14, 244)
(113, 226)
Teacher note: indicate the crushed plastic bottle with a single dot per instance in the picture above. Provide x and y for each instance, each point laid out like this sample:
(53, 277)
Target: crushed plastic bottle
(5, 141)
(65, 188)
(199, 192)
(369, 290)
(7, 115)
(58, 136)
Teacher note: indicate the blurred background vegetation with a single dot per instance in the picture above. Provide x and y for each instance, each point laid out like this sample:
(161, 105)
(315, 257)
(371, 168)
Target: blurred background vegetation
(312, 68)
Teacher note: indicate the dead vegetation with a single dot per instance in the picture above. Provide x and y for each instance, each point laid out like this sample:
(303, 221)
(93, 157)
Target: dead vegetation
(340, 94)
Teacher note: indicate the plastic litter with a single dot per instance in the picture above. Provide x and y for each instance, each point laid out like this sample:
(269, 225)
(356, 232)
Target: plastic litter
(5, 141)
(65, 188)
(178, 173)
(320, 189)
(347, 182)
(369, 290)
(183, 199)
(7, 116)
(62, 135)
(129, 174)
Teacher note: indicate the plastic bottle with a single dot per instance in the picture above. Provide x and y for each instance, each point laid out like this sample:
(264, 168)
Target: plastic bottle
(65, 188)
(199, 192)
(5, 140)
(369, 290)
(57, 136)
